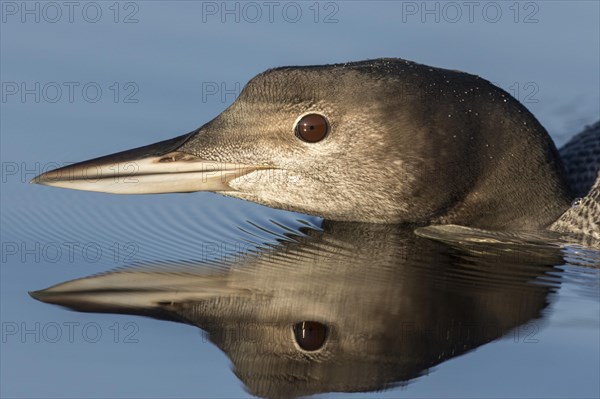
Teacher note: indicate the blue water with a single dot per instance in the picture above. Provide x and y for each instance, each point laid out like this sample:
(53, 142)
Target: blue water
(172, 67)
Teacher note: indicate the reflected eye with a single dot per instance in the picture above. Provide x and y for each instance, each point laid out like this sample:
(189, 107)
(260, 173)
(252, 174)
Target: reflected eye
(310, 335)
(312, 128)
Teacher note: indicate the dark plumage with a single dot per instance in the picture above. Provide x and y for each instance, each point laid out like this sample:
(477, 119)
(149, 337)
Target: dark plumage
(581, 157)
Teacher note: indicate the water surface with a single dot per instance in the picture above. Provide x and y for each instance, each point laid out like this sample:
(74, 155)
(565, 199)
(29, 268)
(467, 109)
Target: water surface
(417, 317)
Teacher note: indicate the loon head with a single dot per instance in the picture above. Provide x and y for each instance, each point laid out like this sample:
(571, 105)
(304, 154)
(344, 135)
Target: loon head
(379, 141)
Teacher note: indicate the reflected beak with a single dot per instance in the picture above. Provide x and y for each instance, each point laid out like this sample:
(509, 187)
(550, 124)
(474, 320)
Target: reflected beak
(152, 169)
(144, 293)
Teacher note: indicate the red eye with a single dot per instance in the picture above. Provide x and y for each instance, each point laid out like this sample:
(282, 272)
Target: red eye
(310, 335)
(312, 128)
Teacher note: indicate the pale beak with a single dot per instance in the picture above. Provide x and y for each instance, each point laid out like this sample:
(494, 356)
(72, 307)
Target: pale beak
(152, 169)
(147, 293)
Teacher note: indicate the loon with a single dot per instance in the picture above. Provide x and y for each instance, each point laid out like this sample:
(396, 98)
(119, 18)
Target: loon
(378, 141)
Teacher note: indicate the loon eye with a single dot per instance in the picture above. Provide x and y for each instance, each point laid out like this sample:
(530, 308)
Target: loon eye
(312, 128)
(310, 335)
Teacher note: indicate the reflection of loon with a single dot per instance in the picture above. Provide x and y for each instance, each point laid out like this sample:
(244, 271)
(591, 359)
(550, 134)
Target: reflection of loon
(382, 141)
(354, 307)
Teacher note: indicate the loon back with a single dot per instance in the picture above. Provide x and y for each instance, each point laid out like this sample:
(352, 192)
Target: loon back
(581, 156)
